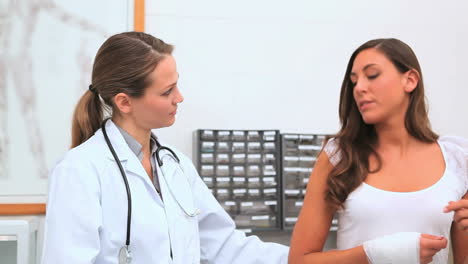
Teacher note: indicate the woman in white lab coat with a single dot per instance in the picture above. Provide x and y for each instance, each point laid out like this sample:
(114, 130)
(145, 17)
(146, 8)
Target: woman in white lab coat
(174, 217)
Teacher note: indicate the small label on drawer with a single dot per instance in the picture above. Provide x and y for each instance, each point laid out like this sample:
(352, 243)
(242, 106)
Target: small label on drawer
(260, 217)
(238, 156)
(238, 168)
(291, 219)
(247, 204)
(307, 159)
(208, 144)
(230, 203)
(222, 144)
(254, 191)
(309, 147)
(291, 136)
(254, 156)
(307, 137)
(292, 169)
(271, 202)
(292, 191)
(299, 204)
(236, 191)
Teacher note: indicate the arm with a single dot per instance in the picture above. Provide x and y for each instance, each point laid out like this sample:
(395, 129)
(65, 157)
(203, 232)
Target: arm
(314, 222)
(459, 231)
(220, 242)
(73, 216)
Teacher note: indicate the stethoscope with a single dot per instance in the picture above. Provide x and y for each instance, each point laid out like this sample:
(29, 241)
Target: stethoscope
(125, 255)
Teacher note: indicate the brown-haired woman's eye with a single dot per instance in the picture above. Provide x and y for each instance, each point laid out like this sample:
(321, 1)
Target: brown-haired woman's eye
(372, 77)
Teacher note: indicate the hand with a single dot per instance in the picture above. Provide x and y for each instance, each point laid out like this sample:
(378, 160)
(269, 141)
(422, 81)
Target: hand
(460, 217)
(401, 248)
(429, 245)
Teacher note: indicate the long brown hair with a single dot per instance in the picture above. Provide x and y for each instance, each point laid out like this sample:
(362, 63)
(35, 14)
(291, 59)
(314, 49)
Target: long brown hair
(122, 65)
(356, 140)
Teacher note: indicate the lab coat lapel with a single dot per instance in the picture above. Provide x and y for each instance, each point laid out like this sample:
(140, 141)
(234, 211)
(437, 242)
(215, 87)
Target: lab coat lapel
(130, 162)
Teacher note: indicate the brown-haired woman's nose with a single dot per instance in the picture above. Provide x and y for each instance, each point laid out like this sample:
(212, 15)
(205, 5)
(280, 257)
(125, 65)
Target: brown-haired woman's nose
(360, 87)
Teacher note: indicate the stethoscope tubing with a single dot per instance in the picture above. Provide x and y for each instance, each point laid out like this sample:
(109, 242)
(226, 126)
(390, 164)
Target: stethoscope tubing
(124, 176)
(127, 186)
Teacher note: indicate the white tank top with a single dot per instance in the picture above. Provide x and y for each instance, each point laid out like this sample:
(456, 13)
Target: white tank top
(370, 212)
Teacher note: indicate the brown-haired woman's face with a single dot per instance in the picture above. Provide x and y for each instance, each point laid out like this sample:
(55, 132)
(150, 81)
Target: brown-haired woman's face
(380, 90)
(158, 105)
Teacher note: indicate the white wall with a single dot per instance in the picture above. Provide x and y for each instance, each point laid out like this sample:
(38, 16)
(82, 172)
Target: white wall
(279, 64)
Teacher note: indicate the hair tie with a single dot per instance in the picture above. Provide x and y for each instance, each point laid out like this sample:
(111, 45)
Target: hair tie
(92, 89)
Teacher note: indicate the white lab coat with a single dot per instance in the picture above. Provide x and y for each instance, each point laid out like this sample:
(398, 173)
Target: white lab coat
(87, 212)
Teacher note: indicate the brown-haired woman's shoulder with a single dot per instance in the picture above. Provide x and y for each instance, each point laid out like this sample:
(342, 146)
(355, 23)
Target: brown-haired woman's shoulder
(331, 148)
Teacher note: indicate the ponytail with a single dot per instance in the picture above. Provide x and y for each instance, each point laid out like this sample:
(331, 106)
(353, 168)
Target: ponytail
(87, 118)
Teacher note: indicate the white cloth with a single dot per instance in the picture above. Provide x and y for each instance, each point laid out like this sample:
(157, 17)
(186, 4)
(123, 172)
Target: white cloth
(87, 212)
(398, 248)
(370, 212)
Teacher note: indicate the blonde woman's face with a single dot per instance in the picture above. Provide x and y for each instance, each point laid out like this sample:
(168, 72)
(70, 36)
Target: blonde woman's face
(157, 108)
(379, 88)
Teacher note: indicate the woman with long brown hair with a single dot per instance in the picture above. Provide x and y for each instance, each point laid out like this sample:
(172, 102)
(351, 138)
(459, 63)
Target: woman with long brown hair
(119, 195)
(385, 174)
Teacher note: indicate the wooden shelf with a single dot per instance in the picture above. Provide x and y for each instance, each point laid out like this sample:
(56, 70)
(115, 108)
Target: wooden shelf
(22, 209)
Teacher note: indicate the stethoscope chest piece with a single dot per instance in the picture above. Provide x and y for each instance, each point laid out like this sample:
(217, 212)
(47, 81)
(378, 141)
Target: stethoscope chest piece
(125, 256)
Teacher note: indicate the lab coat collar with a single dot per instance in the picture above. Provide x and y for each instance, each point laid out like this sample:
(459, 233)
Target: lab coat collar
(128, 159)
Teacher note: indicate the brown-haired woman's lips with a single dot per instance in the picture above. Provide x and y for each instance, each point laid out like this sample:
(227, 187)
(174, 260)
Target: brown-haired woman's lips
(364, 104)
